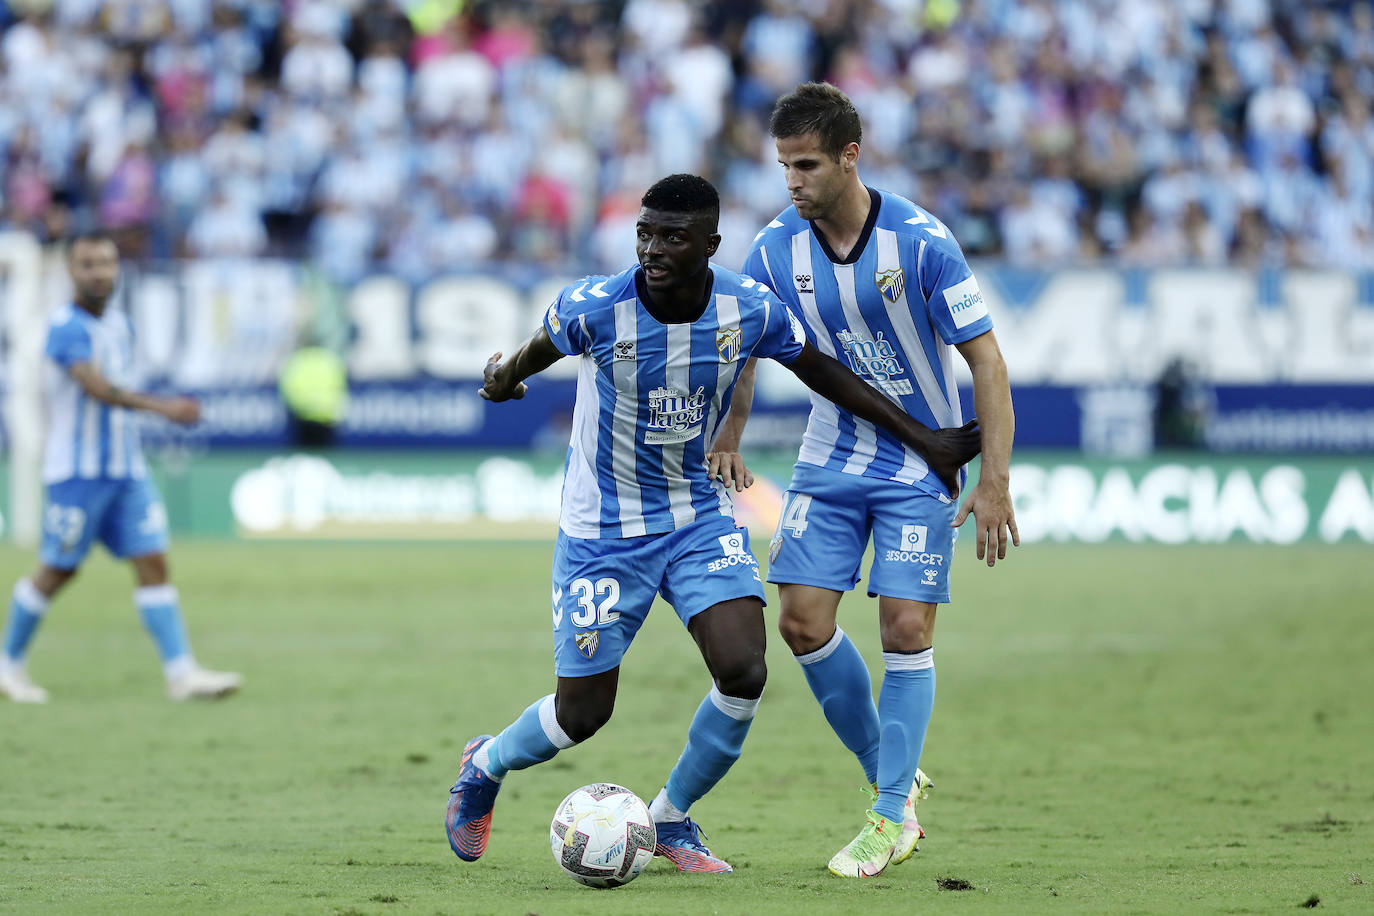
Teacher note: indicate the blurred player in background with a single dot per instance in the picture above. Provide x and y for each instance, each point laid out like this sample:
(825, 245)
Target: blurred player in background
(662, 346)
(882, 285)
(97, 481)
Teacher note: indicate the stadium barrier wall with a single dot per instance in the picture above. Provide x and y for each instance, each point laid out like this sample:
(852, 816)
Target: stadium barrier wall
(1169, 499)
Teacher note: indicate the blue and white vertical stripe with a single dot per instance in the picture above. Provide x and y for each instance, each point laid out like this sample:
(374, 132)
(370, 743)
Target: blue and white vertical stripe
(651, 397)
(87, 438)
(892, 312)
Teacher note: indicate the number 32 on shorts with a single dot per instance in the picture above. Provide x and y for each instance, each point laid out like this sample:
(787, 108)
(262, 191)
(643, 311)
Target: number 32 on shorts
(589, 609)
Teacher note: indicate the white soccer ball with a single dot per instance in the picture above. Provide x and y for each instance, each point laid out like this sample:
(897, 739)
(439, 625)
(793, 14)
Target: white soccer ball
(602, 835)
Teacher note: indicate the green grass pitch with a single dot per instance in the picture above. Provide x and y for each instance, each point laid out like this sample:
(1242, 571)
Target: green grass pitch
(1118, 729)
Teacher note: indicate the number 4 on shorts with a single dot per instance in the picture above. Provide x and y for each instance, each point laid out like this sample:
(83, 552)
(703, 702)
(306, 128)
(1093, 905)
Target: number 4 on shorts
(794, 514)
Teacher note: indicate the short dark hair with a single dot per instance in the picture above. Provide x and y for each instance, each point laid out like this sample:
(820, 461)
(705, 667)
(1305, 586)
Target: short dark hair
(682, 193)
(817, 108)
(90, 235)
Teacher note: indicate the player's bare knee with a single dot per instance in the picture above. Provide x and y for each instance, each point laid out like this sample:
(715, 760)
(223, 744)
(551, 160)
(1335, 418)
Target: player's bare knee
(581, 720)
(744, 679)
(804, 634)
(906, 626)
(49, 580)
(150, 569)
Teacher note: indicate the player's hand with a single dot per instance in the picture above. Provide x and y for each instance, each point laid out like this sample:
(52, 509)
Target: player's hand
(952, 449)
(729, 468)
(996, 520)
(185, 411)
(492, 389)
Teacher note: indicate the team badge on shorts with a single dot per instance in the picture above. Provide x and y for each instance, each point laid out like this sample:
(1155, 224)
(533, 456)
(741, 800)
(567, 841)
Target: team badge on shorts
(587, 641)
(891, 283)
(774, 548)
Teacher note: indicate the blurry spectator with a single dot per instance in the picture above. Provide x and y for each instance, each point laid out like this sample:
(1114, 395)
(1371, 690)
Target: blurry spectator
(227, 228)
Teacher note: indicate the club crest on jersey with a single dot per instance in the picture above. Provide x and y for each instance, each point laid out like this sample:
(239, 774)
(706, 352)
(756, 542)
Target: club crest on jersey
(587, 641)
(728, 343)
(891, 283)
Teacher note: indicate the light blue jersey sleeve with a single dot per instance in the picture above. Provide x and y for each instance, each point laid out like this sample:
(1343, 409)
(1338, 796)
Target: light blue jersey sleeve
(564, 324)
(956, 304)
(69, 343)
(783, 336)
(756, 266)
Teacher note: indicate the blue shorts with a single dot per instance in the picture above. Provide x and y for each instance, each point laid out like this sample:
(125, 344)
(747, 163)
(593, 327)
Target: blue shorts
(827, 517)
(603, 588)
(127, 516)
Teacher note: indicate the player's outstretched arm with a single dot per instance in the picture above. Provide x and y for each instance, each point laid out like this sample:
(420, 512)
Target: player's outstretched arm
(506, 381)
(990, 499)
(185, 411)
(945, 450)
(724, 460)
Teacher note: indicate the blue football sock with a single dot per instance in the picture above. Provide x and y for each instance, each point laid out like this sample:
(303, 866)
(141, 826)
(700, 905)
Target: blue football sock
(532, 738)
(839, 679)
(27, 607)
(160, 609)
(714, 741)
(904, 706)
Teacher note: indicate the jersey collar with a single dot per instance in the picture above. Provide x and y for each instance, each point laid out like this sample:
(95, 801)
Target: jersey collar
(856, 252)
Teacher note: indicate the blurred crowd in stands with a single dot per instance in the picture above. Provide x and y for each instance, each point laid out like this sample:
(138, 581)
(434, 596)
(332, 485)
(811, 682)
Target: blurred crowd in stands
(416, 137)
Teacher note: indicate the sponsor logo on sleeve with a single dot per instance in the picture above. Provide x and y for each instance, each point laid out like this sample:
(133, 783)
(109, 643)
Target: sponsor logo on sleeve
(552, 317)
(966, 303)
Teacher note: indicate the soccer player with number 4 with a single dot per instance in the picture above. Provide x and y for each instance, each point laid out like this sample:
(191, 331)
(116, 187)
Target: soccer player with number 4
(661, 347)
(882, 285)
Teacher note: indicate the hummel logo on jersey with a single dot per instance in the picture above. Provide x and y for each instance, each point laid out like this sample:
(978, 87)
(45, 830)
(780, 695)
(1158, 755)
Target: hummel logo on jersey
(803, 283)
(728, 343)
(891, 283)
(587, 641)
(624, 349)
(674, 416)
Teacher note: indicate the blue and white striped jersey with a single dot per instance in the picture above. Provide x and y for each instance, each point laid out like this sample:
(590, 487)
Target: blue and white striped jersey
(651, 397)
(892, 310)
(88, 438)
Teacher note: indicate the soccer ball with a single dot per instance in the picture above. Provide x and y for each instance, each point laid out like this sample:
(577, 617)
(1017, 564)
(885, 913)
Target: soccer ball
(602, 835)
